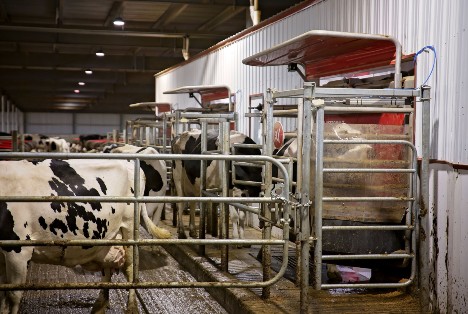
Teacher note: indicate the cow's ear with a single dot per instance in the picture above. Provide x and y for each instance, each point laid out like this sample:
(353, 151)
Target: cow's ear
(53, 146)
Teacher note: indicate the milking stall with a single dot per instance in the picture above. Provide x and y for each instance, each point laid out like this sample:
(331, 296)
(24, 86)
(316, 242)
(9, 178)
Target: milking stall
(233, 156)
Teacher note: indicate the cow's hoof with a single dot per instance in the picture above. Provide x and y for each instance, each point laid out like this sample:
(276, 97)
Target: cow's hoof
(132, 310)
(182, 235)
(193, 234)
(99, 307)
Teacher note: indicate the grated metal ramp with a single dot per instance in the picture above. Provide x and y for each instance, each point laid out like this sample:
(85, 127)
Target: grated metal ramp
(243, 265)
(155, 265)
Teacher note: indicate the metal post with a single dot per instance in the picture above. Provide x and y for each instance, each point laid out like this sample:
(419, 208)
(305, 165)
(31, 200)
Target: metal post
(14, 140)
(428, 258)
(317, 226)
(8, 103)
(3, 113)
(203, 148)
(136, 230)
(224, 139)
(266, 212)
(304, 190)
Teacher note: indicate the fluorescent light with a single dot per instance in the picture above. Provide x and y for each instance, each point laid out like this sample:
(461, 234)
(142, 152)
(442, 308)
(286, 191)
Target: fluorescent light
(88, 71)
(70, 106)
(81, 83)
(77, 91)
(119, 22)
(100, 53)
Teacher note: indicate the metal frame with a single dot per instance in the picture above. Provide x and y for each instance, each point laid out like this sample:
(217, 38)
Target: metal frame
(136, 241)
(317, 109)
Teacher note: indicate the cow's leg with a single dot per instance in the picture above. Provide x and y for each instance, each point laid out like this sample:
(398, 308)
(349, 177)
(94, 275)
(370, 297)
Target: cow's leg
(102, 302)
(242, 216)
(234, 215)
(192, 227)
(16, 269)
(180, 222)
(3, 303)
(132, 305)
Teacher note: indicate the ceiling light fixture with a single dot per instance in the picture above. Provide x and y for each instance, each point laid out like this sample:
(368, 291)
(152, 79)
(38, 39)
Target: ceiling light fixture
(81, 83)
(119, 21)
(77, 91)
(88, 71)
(100, 53)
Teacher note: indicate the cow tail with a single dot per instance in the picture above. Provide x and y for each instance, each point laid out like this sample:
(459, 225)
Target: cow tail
(157, 232)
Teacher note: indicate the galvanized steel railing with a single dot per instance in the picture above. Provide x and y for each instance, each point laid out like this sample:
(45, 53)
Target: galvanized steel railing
(134, 283)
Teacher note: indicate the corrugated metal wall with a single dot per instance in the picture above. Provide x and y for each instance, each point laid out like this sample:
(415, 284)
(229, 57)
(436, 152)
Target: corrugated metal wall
(56, 123)
(416, 23)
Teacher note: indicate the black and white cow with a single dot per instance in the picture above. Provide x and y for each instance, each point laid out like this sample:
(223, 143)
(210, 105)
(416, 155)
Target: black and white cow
(156, 177)
(67, 220)
(186, 175)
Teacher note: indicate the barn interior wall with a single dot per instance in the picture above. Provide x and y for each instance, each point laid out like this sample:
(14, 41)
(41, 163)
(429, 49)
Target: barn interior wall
(55, 123)
(415, 24)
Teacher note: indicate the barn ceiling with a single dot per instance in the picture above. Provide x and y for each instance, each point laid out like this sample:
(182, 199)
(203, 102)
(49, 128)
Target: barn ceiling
(46, 46)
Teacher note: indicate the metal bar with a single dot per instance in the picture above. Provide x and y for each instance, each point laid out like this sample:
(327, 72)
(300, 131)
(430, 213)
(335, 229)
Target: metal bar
(267, 126)
(369, 170)
(248, 145)
(203, 166)
(323, 92)
(142, 242)
(366, 256)
(195, 115)
(368, 110)
(367, 199)
(428, 260)
(368, 285)
(305, 215)
(134, 267)
(377, 228)
(95, 32)
(144, 199)
(319, 151)
(224, 139)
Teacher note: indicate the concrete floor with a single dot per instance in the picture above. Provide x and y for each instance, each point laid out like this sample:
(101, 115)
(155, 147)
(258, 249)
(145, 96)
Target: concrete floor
(184, 264)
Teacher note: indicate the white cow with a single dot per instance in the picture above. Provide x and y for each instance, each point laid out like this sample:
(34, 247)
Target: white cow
(186, 175)
(56, 144)
(155, 172)
(67, 220)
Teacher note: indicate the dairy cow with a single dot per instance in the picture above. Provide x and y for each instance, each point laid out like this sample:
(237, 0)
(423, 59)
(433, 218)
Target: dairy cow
(156, 175)
(67, 220)
(186, 175)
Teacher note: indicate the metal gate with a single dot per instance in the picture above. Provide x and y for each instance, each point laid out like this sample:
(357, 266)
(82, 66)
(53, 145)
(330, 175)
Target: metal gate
(135, 242)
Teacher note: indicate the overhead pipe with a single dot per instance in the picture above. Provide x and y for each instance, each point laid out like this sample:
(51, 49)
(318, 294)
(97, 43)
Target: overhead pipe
(96, 32)
(185, 47)
(254, 12)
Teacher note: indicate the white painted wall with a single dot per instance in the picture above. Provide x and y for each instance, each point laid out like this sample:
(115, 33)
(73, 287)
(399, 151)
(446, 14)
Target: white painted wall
(415, 23)
(55, 123)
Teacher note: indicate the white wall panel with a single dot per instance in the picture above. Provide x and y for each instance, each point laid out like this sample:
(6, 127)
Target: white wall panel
(49, 123)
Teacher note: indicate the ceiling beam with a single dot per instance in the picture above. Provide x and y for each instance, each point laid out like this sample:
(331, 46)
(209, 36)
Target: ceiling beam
(115, 11)
(81, 62)
(227, 14)
(100, 32)
(83, 48)
(244, 3)
(171, 13)
(3, 12)
(58, 12)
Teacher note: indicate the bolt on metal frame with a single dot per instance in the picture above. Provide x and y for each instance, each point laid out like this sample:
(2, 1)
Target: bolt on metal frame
(135, 242)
